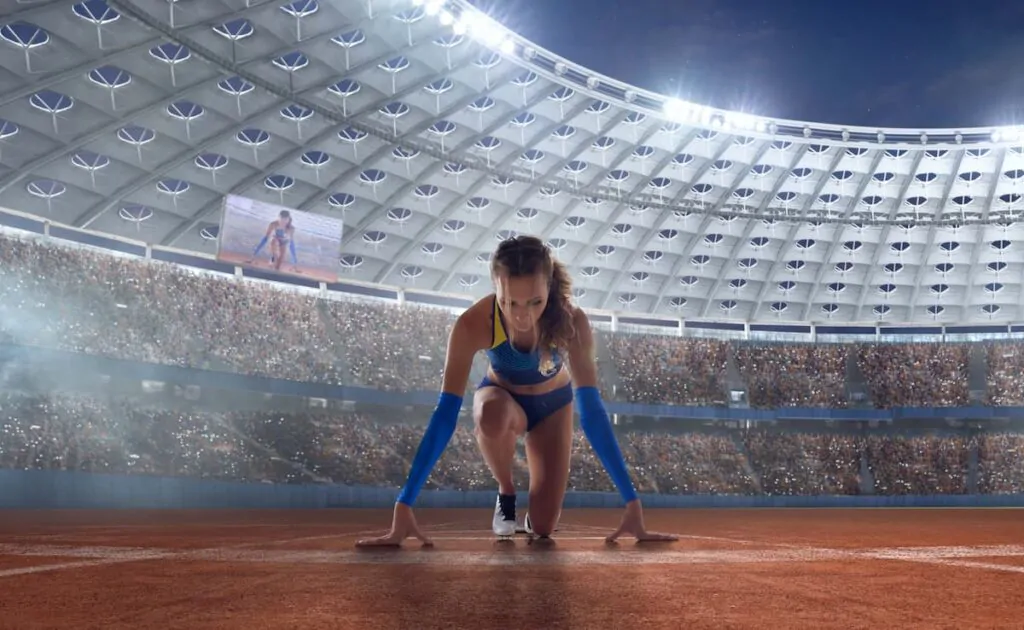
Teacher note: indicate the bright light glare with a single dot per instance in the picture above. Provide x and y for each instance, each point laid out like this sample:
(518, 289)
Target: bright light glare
(1007, 134)
(675, 109)
(483, 29)
(742, 121)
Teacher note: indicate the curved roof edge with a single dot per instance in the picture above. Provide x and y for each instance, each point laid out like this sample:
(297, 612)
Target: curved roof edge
(22, 222)
(529, 55)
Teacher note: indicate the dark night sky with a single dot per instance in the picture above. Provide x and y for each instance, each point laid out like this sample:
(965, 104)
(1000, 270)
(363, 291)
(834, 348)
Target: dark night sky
(893, 63)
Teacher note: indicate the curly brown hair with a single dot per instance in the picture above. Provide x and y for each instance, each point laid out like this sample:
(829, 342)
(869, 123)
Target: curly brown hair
(526, 256)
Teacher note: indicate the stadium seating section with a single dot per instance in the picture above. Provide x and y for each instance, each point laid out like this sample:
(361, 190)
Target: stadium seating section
(94, 302)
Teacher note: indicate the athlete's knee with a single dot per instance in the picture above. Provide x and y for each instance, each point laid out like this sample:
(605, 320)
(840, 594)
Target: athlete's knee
(493, 418)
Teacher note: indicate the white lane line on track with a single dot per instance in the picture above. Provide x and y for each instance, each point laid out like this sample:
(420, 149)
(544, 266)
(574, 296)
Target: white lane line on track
(724, 539)
(968, 564)
(257, 552)
(60, 567)
(102, 556)
(99, 557)
(70, 536)
(430, 531)
(517, 556)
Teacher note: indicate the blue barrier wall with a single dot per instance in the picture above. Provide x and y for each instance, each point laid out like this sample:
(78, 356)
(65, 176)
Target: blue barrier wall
(50, 489)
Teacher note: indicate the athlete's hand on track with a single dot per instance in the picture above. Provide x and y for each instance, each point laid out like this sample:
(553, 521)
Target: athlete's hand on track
(403, 525)
(633, 524)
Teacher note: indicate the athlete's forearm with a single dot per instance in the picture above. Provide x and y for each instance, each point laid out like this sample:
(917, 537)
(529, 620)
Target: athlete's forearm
(597, 426)
(435, 440)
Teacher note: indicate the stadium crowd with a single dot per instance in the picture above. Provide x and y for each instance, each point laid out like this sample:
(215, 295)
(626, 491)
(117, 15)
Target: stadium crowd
(159, 312)
(116, 435)
(91, 301)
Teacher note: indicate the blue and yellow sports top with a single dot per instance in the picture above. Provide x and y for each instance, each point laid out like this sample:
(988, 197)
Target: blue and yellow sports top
(518, 368)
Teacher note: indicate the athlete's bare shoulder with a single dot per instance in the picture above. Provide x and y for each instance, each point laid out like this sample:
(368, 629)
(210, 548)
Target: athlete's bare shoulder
(475, 324)
(479, 311)
(579, 317)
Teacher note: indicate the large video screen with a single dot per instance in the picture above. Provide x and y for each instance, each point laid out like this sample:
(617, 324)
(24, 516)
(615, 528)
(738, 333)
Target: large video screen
(275, 238)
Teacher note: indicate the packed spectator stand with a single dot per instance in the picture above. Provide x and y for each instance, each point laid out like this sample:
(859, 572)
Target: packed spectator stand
(121, 307)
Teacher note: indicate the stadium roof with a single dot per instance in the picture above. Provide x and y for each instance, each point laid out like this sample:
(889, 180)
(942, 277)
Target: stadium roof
(435, 132)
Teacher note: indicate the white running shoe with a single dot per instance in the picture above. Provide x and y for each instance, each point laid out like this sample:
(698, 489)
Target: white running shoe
(504, 522)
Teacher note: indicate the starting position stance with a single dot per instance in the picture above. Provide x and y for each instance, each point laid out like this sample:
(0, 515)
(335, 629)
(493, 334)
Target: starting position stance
(527, 328)
(281, 234)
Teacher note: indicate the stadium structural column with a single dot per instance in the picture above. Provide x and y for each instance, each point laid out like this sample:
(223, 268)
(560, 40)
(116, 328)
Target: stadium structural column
(867, 478)
(679, 327)
(615, 322)
(401, 297)
(972, 466)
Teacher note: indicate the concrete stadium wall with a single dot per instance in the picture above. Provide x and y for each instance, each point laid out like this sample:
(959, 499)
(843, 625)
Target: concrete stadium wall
(51, 489)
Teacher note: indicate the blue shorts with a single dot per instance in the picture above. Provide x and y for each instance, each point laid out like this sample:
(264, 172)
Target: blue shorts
(536, 407)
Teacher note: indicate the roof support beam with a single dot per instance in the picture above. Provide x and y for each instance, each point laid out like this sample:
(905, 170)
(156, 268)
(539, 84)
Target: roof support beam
(932, 231)
(627, 200)
(837, 234)
(666, 212)
(794, 229)
(973, 273)
(528, 193)
(341, 122)
(480, 183)
(458, 106)
(747, 228)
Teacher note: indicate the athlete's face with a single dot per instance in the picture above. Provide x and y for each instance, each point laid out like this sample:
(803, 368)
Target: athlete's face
(522, 299)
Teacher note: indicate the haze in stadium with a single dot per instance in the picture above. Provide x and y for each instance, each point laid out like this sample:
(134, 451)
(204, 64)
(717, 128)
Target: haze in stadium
(796, 236)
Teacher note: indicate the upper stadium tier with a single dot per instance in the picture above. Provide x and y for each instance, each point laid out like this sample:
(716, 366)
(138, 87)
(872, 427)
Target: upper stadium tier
(434, 132)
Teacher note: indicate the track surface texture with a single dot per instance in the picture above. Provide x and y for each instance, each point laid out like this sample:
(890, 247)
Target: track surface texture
(796, 568)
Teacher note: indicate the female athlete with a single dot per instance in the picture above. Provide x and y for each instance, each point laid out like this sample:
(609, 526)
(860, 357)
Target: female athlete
(282, 232)
(526, 328)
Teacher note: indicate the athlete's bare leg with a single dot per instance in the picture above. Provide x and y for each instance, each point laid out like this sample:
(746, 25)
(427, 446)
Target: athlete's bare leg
(548, 453)
(499, 422)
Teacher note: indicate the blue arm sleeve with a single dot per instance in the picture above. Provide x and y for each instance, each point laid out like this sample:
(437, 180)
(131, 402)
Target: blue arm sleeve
(439, 433)
(598, 428)
(260, 246)
(291, 248)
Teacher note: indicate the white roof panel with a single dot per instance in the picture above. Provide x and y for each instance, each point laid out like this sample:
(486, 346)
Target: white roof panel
(434, 133)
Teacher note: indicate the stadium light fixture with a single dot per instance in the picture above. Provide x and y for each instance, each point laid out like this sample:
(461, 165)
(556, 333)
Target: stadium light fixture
(676, 109)
(1006, 134)
(483, 29)
(433, 7)
(746, 122)
(683, 112)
